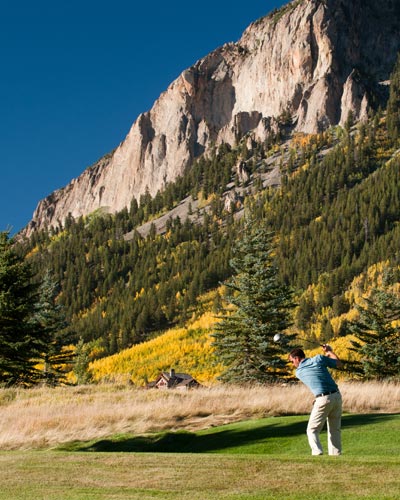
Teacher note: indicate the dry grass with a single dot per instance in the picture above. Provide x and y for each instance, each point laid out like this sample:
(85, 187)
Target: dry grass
(44, 417)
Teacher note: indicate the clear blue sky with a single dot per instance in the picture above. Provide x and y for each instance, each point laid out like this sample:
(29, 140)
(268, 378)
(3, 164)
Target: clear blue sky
(75, 75)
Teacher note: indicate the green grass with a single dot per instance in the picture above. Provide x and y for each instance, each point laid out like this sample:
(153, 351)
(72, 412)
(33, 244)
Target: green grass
(253, 460)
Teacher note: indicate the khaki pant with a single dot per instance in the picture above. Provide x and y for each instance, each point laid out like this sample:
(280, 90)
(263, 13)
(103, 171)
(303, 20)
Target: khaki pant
(326, 409)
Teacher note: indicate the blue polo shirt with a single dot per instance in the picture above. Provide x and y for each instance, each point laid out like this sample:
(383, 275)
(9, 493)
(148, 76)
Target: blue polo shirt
(314, 373)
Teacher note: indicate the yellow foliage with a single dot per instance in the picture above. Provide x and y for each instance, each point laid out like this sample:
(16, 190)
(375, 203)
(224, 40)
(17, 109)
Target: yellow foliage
(138, 294)
(341, 346)
(96, 352)
(186, 350)
(207, 300)
(336, 323)
(71, 378)
(57, 237)
(32, 252)
(362, 285)
(206, 321)
(203, 202)
(316, 330)
(352, 315)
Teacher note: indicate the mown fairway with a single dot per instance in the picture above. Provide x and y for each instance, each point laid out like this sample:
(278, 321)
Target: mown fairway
(258, 460)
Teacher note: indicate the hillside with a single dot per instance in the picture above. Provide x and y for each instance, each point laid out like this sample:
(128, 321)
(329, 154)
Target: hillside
(187, 350)
(332, 199)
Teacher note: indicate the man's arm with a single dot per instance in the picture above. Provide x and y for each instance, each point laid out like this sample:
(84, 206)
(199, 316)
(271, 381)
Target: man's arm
(330, 354)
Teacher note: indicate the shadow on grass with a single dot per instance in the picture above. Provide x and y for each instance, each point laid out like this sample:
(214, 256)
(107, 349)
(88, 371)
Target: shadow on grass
(212, 440)
(206, 441)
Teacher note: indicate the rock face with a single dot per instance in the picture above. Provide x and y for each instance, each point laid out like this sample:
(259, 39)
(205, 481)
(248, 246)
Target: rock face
(314, 59)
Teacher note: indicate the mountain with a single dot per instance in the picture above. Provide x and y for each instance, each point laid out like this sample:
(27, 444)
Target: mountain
(331, 198)
(314, 61)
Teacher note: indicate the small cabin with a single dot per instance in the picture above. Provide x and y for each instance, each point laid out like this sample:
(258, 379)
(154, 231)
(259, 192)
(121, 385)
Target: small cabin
(173, 380)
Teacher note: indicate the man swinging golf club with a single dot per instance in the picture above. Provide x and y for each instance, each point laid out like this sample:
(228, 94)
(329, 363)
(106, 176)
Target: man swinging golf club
(314, 373)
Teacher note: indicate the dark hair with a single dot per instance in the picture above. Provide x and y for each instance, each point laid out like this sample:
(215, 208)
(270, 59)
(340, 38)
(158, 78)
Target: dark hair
(297, 353)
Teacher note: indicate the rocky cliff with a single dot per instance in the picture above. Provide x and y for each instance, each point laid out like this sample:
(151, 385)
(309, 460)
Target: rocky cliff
(315, 59)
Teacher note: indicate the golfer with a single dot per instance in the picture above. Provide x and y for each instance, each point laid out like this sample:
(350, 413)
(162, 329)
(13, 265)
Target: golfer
(314, 373)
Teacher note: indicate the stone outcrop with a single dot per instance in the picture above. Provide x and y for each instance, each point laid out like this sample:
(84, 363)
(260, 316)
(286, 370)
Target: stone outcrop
(314, 59)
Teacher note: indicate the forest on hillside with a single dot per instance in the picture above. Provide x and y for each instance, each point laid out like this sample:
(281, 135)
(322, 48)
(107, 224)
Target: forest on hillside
(336, 212)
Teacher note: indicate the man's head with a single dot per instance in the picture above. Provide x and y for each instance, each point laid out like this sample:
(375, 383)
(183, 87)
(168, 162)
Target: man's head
(296, 356)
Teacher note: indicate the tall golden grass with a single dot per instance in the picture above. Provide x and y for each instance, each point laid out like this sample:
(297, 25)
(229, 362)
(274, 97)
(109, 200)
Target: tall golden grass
(45, 417)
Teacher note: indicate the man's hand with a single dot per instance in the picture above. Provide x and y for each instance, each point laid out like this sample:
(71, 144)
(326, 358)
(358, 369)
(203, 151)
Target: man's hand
(329, 352)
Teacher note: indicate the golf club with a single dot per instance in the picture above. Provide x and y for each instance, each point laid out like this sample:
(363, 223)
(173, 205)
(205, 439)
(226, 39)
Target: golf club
(313, 343)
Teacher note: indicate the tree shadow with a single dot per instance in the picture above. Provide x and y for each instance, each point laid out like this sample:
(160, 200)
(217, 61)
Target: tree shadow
(190, 442)
(216, 440)
(366, 419)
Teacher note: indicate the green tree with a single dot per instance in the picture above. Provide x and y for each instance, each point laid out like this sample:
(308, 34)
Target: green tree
(378, 336)
(51, 317)
(305, 311)
(82, 360)
(393, 107)
(326, 330)
(261, 308)
(22, 337)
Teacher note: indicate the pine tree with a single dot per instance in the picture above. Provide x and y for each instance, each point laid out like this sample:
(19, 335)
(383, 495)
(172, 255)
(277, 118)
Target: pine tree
(22, 338)
(51, 317)
(244, 339)
(378, 335)
(393, 107)
(82, 360)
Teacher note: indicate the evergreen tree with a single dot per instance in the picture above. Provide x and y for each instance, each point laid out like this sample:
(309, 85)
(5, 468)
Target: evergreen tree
(378, 335)
(304, 312)
(51, 317)
(22, 337)
(326, 331)
(393, 107)
(244, 339)
(82, 360)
